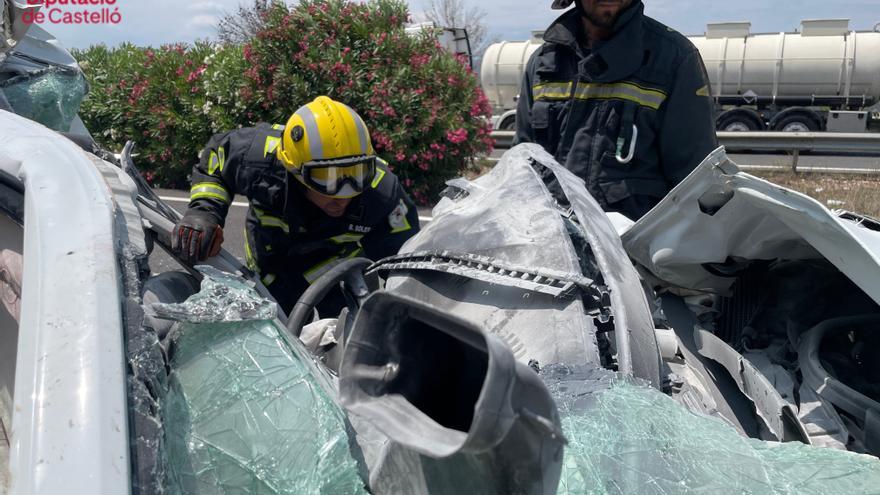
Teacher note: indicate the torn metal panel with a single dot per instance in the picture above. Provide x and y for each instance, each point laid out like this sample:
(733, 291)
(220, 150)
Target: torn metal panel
(507, 216)
(778, 416)
(13, 25)
(636, 342)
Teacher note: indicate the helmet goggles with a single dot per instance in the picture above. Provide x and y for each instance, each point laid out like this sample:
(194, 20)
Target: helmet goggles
(339, 177)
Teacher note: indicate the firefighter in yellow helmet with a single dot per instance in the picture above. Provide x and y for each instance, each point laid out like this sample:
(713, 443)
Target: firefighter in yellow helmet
(317, 193)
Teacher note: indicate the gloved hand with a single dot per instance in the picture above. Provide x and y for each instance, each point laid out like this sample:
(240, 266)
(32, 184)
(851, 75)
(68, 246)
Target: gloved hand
(197, 236)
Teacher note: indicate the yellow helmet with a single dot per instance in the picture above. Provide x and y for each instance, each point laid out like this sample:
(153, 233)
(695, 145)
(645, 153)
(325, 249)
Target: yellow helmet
(327, 147)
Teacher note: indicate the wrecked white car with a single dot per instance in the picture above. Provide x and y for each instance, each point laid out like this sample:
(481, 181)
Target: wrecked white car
(500, 352)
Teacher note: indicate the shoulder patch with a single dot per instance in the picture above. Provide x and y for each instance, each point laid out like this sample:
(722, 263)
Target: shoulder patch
(397, 218)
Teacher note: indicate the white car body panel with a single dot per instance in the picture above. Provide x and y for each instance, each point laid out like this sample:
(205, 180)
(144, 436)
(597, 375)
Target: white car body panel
(69, 427)
(761, 221)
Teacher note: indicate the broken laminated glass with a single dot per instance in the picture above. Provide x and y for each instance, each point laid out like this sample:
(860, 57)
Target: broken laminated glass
(630, 438)
(222, 298)
(51, 96)
(246, 412)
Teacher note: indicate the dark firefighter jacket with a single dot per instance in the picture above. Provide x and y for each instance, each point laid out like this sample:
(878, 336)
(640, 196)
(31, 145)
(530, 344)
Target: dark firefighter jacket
(290, 241)
(581, 106)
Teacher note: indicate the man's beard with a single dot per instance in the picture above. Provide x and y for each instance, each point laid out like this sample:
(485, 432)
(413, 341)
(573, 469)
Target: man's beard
(605, 20)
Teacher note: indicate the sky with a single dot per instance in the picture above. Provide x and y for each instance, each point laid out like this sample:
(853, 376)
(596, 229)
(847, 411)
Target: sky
(154, 22)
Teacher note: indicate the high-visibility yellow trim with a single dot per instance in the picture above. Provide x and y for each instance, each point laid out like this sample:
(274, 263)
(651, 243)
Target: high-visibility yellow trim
(272, 144)
(271, 221)
(341, 239)
(268, 279)
(216, 160)
(406, 226)
(380, 174)
(398, 220)
(646, 97)
(210, 190)
(704, 91)
(248, 254)
(551, 91)
(315, 272)
(278, 127)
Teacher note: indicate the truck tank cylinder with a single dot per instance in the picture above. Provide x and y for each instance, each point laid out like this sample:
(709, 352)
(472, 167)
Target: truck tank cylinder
(824, 60)
(502, 69)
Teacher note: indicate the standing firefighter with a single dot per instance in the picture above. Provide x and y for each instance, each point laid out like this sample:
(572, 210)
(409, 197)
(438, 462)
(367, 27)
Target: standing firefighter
(317, 192)
(621, 100)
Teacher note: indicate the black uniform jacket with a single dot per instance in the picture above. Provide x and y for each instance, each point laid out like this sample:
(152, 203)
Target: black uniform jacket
(646, 85)
(286, 234)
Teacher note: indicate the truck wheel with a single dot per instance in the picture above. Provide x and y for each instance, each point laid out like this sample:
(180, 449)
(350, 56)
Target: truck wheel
(508, 124)
(796, 123)
(737, 123)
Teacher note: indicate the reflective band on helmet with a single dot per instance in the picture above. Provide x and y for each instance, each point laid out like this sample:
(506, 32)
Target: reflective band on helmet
(646, 97)
(271, 221)
(210, 190)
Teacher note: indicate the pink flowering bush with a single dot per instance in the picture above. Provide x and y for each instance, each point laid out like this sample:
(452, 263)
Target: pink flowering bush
(424, 107)
(163, 99)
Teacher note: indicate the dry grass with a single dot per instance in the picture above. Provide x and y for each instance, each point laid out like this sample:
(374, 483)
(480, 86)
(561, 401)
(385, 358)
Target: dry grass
(856, 193)
(851, 192)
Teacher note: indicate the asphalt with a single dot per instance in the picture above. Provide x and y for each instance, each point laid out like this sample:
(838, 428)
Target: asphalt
(827, 163)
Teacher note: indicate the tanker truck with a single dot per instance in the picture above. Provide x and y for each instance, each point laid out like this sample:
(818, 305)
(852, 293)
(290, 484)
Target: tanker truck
(823, 77)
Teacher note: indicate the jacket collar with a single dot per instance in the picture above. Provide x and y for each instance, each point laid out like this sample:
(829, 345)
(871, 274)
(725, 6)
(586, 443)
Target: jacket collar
(613, 60)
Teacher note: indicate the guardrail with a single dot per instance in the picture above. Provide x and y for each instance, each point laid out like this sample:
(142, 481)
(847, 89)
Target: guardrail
(796, 142)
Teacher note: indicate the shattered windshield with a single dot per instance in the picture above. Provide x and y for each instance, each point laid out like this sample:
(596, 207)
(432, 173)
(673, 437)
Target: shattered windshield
(51, 96)
(41, 81)
(244, 411)
(625, 437)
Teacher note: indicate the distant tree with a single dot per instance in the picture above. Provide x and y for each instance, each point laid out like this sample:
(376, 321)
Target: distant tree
(454, 13)
(240, 26)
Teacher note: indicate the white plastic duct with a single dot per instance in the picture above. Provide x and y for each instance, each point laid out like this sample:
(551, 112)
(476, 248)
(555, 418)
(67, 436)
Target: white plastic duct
(69, 429)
